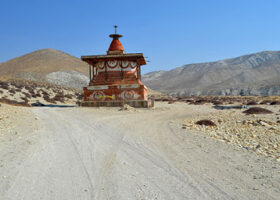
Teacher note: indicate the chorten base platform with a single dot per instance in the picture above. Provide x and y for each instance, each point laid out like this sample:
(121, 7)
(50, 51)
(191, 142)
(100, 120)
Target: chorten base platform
(132, 103)
(134, 95)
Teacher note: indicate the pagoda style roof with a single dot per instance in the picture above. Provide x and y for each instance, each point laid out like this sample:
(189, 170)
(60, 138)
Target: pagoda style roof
(129, 56)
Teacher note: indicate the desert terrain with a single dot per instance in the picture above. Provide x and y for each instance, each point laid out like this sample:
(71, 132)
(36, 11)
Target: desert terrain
(156, 153)
(252, 74)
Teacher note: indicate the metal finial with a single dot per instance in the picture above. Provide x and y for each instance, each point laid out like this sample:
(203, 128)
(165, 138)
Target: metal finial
(115, 29)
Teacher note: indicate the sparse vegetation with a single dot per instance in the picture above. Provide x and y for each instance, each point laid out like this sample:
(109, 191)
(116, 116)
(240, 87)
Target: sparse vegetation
(30, 91)
(223, 100)
(14, 103)
(206, 122)
(257, 110)
(275, 103)
(251, 103)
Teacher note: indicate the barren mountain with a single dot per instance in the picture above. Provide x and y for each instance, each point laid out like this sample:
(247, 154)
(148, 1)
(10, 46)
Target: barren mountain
(254, 74)
(47, 65)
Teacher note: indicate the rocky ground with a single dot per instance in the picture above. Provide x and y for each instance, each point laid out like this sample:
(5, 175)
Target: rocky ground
(20, 92)
(258, 133)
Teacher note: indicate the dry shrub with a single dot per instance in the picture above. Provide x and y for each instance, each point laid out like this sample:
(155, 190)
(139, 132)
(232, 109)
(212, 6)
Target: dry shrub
(4, 85)
(12, 91)
(34, 95)
(257, 110)
(14, 103)
(205, 122)
(265, 102)
(200, 102)
(27, 87)
(44, 93)
(27, 95)
(47, 98)
(69, 96)
(59, 97)
(275, 103)
(190, 101)
(80, 96)
(37, 94)
(252, 103)
(158, 99)
(51, 101)
(171, 102)
(25, 99)
(216, 102)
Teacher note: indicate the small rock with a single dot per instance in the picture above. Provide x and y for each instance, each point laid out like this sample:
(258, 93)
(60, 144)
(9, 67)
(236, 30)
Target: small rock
(263, 123)
(258, 146)
(127, 107)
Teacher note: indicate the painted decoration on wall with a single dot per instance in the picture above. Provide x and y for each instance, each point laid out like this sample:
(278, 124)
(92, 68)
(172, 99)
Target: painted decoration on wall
(100, 65)
(112, 63)
(133, 64)
(97, 95)
(124, 64)
(129, 95)
(115, 65)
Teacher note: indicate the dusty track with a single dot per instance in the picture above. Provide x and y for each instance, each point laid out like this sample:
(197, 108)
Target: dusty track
(108, 154)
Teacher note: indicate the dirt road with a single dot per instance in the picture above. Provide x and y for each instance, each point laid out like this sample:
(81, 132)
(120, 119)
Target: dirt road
(82, 153)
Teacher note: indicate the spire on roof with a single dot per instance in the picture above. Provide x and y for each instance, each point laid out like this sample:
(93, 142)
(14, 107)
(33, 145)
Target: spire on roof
(115, 29)
(115, 46)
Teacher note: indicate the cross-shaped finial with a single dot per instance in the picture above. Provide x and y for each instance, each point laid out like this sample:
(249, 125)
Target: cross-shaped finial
(115, 29)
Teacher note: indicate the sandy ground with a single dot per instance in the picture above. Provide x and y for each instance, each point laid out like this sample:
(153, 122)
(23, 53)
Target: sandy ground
(91, 153)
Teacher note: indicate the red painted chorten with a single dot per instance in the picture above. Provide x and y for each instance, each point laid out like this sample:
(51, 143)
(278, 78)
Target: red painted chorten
(115, 78)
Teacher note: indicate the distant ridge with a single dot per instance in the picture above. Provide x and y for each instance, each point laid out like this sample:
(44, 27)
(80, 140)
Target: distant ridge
(48, 65)
(252, 74)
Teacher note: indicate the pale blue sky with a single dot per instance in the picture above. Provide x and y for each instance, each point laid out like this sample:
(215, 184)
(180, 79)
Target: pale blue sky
(170, 33)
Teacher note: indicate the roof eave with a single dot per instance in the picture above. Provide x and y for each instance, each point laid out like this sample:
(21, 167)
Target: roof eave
(139, 56)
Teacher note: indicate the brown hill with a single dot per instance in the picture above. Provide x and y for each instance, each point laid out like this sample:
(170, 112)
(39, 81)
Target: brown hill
(47, 65)
(43, 62)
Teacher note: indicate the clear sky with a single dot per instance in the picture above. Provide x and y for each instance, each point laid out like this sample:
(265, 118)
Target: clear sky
(170, 32)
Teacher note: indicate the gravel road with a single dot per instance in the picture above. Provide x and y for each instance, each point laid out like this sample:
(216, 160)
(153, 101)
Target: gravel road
(83, 153)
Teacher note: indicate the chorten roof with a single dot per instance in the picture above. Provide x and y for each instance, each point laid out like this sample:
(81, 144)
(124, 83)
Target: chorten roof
(115, 52)
(128, 56)
(116, 44)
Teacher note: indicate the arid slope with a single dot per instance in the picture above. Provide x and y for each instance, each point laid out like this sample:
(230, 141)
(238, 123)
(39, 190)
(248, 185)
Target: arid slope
(42, 62)
(47, 65)
(254, 74)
